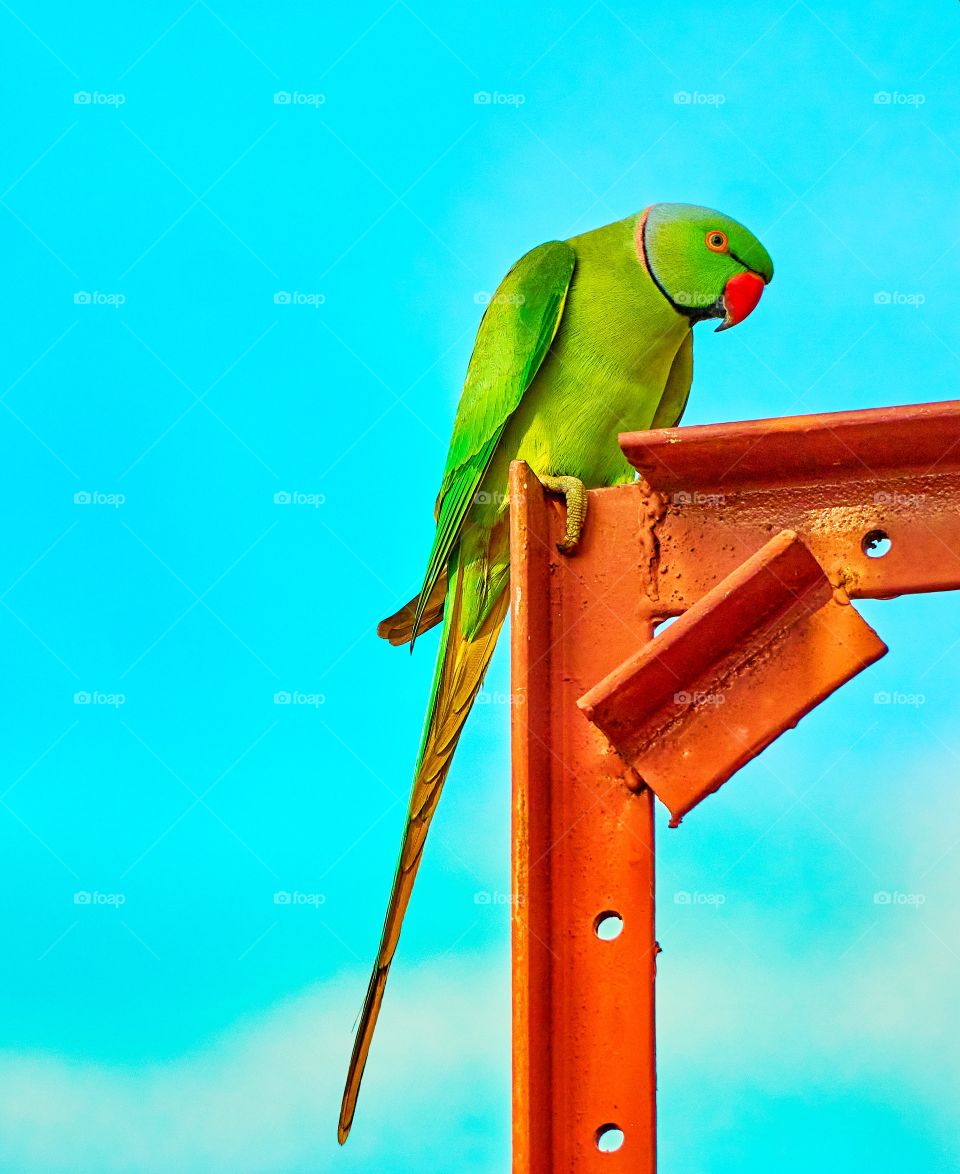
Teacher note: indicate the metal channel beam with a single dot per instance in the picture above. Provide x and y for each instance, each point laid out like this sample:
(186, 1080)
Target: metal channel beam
(844, 481)
(583, 1007)
(758, 652)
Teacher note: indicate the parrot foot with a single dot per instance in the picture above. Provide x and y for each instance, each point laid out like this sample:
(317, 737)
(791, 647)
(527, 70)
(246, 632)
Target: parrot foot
(575, 493)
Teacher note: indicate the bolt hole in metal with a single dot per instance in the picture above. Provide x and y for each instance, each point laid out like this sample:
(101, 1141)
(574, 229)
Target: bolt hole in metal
(609, 1138)
(876, 543)
(608, 925)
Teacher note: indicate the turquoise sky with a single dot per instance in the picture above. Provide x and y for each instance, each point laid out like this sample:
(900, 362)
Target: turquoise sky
(213, 296)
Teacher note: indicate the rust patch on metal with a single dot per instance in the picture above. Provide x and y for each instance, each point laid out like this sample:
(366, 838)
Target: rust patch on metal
(651, 512)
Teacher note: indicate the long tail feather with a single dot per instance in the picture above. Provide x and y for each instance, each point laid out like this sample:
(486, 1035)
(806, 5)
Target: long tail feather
(461, 664)
(398, 628)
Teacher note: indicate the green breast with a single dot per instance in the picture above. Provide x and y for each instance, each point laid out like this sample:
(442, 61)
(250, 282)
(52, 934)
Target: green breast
(607, 368)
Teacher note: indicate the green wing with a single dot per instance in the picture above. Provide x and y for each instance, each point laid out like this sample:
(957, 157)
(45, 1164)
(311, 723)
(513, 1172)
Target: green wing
(515, 334)
(677, 389)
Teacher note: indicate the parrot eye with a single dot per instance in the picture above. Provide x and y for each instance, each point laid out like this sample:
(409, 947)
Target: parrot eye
(717, 241)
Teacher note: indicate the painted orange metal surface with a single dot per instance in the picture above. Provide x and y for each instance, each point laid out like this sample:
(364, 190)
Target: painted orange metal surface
(723, 490)
(744, 664)
(709, 500)
(583, 1008)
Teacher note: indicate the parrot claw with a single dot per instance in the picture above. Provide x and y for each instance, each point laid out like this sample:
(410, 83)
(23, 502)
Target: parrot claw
(575, 493)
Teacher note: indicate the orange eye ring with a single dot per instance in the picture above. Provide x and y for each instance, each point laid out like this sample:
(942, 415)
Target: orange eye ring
(717, 241)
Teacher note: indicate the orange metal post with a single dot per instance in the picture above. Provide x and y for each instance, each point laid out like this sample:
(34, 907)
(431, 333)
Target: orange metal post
(583, 1017)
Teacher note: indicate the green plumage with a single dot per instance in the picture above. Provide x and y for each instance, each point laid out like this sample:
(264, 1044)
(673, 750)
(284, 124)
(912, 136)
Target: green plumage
(582, 340)
(514, 336)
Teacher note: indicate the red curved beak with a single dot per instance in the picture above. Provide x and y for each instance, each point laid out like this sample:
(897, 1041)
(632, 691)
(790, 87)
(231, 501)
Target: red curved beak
(740, 296)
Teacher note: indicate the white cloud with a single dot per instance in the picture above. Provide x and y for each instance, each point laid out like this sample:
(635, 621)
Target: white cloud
(265, 1096)
(752, 1020)
(767, 1020)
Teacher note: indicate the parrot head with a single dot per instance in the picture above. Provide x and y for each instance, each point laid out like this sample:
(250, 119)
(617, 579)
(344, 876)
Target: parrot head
(705, 264)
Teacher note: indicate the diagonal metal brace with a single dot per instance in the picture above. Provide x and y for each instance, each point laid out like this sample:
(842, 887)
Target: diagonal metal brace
(759, 651)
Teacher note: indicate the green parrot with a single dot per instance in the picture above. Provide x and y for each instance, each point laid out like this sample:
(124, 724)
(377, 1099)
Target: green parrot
(584, 339)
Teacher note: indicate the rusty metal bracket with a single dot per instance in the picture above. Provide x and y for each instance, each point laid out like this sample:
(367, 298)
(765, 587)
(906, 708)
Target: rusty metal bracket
(744, 664)
(851, 486)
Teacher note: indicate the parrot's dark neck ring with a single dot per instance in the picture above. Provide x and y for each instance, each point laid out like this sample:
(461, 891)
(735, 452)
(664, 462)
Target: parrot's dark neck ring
(693, 313)
(740, 261)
